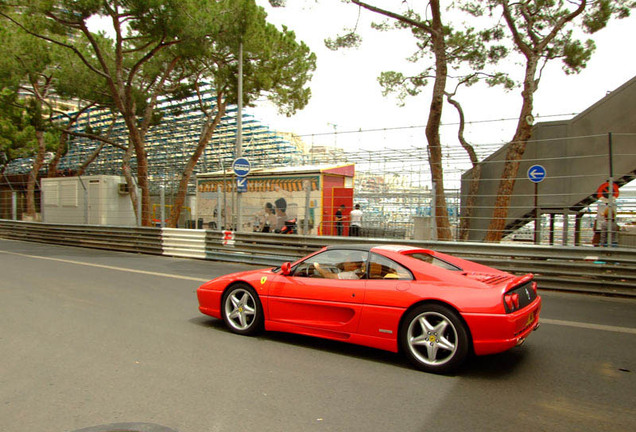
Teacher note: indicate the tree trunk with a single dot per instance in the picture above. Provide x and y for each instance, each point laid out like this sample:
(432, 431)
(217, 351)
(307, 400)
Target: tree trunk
(465, 220)
(137, 141)
(59, 152)
(33, 175)
(434, 122)
(89, 160)
(436, 31)
(515, 152)
(125, 169)
(209, 129)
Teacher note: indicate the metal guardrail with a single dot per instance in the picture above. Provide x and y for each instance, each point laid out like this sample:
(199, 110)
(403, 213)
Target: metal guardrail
(126, 239)
(609, 271)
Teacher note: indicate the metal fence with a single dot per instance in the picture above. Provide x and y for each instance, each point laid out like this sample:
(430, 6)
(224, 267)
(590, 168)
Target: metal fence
(609, 271)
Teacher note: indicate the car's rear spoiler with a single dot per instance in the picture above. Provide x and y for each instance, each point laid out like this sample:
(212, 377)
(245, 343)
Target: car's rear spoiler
(519, 280)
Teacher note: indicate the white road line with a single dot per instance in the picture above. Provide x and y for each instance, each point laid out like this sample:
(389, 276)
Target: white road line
(542, 320)
(109, 267)
(588, 326)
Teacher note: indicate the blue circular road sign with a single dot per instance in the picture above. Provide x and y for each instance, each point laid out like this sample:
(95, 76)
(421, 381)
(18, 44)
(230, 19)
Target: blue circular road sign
(241, 167)
(536, 173)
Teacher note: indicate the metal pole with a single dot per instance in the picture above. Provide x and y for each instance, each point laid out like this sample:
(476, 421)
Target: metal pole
(14, 205)
(434, 209)
(539, 229)
(139, 222)
(610, 198)
(224, 212)
(577, 229)
(219, 211)
(566, 226)
(307, 204)
(238, 152)
(537, 235)
(162, 196)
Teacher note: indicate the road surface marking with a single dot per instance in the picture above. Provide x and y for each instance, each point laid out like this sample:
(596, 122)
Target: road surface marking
(588, 326)
(109, 267)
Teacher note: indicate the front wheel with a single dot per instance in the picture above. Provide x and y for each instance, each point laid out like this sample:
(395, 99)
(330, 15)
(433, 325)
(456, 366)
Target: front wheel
(434, 338)
(242, 310)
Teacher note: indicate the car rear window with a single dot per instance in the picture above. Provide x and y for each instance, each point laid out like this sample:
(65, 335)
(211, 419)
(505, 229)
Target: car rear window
(430, 259)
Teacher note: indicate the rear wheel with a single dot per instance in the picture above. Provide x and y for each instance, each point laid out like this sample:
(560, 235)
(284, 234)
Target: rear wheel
(242, 310)
(434, 338)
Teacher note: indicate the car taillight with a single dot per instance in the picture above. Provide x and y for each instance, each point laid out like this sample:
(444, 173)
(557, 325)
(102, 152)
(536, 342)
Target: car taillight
(511, 301)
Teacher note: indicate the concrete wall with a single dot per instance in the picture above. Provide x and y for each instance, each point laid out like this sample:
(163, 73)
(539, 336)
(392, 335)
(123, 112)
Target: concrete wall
(575, 156)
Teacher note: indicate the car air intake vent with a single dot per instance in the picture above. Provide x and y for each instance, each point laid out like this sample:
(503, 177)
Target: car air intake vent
(488, 278)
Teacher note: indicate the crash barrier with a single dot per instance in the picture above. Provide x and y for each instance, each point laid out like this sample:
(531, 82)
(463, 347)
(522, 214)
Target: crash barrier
(126, 239)
(610, 271)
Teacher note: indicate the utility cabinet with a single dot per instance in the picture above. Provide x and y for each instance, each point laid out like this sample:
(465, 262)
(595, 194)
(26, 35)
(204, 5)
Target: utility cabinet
(92, 200)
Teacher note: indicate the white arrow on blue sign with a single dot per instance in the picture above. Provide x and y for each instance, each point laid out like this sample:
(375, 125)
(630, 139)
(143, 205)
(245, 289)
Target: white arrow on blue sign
(241, 184)
(536, 173)
(241, 167)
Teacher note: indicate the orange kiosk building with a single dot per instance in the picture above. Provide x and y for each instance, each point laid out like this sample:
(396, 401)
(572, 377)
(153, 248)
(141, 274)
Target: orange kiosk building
(312, 193)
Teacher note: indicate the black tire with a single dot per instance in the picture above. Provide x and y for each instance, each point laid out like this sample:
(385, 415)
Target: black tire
(242, 310)
(434, 338)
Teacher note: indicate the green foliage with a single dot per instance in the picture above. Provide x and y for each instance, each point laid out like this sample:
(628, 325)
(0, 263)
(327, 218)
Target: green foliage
(468, 51)
(19, 121)
(397, 83)
(275, 64)
(347, 40)
(26, 70)
(279, 66)
(544, 27)
(17, 135)
(600, 13)
(576, 55)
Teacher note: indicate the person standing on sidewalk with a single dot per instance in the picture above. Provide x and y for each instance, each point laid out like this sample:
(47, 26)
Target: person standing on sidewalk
(339, 220)
(356, 221)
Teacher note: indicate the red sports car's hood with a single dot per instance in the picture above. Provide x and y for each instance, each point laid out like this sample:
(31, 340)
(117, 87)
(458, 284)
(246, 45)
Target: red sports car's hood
(246, 275)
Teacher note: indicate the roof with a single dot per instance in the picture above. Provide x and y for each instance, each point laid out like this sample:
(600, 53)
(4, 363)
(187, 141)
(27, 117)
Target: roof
(345, 170)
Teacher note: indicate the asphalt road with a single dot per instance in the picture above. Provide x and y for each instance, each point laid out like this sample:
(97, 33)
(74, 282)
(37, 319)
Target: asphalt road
(90, 337)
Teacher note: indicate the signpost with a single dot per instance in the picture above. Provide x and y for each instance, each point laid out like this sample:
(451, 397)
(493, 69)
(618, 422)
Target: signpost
(536, 174)
(603, 190)
(241, 167)
(241, 184)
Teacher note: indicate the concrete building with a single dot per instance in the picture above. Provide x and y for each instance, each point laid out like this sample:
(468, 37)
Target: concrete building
(579, 155)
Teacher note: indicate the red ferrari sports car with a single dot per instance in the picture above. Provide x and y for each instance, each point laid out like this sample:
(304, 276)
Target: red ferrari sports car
(433, 307)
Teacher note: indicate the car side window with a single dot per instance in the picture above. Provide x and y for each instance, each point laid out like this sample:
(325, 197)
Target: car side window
(334, 264)
(383, 268)
(435, 261)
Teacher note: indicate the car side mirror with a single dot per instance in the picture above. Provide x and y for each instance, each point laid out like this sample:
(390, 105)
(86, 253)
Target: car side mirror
(286, 268)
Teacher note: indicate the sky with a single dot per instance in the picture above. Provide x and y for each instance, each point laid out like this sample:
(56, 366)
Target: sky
(346, 96)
